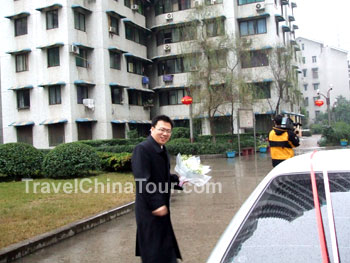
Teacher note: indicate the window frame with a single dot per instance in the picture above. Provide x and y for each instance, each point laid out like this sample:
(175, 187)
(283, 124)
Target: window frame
(81, 59)
(79, 21)
(257, 59)
(53, 57)
(21, 65)
(240, 2)
(54, 92)
(255, 24)
(82, 93)
(52, 17)
(115, 60)
(117, 98)
(21, 26)
(218, 27)
(23, 99)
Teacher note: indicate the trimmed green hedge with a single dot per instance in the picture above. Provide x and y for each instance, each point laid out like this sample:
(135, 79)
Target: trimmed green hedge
(116, 148)
(115, 162)
(112, 142)
(20, 160)
(70, 160)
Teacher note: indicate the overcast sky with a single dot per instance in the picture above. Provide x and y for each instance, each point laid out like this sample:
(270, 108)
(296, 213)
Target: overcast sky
(327, 21)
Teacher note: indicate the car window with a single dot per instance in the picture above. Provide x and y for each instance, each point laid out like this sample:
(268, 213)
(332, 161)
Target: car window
(282, 225)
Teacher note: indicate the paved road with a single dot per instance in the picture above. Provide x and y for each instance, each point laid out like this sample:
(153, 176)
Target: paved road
(198, 218)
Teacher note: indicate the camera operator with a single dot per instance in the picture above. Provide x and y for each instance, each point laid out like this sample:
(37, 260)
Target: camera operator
(282, 138)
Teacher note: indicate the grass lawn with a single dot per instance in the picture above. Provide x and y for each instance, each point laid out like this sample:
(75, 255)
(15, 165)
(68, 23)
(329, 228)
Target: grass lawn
(27, 210)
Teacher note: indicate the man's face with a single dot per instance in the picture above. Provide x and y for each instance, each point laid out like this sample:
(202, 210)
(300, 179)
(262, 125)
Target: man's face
(161, 132)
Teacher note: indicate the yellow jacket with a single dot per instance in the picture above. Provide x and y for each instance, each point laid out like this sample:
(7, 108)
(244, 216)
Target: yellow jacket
(282, 143)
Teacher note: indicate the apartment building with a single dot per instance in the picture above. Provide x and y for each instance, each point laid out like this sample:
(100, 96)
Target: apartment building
(93, 69)
(324, 69)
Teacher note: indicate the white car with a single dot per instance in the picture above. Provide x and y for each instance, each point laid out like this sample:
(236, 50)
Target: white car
(281, 220)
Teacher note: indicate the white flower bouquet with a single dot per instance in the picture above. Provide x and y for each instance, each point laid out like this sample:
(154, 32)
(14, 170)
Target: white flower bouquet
(191, 170)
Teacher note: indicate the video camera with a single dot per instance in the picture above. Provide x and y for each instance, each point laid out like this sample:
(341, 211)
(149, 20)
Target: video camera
(287, 123)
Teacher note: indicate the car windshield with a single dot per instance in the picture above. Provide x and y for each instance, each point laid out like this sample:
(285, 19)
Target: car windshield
(282, 225)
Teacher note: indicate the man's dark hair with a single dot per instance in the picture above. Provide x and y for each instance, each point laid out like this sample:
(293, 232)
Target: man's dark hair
(162, 118)
(278, 119)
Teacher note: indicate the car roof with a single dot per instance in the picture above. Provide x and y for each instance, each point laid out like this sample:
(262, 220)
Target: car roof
(331, 160)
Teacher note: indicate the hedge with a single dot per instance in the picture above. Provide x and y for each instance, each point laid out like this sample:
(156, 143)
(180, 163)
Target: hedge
(20, 160)
(70, 160)
(112, 142)
(115, 162)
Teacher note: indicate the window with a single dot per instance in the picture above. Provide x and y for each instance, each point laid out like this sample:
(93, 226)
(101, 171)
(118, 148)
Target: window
(117, 95)
(171, 66)
(168, 6)
(135, 34)
(306, 101)
(215, 27)
(84, 131)
(54, 94)
(304, 72)
(139, 3)
(114, 24)
(81, 58)
(315, 73)
(137, 97)
(316, 86)
(21, 27)
(134, 66)
(52, 19)
(25, 134)
(23, 99)
(305, 87)
(209, 2)
(56, 134)
(244, 2)
(252, 27)
(303, 46)
(256, 58)
(314, 60)
(118, 130)
(82, 93)
(114, 60)
(317, 113)
(171, 97)
(53, 57)
(304, 60)
(217, 59)
(22, 62)
(261, 90)
(277, 27)
(79, 21)
(176, 34)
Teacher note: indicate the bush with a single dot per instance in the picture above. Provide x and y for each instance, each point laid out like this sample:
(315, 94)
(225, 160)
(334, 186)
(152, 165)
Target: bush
(116, 149)
(180, 132)
(316, 128)
(197, 148)
(70, 160)
(19, 160)
(132, 134)
(178, 140)
(113, 142)
(115, 162)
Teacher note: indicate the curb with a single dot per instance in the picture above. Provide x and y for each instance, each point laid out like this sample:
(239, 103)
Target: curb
(31, 245)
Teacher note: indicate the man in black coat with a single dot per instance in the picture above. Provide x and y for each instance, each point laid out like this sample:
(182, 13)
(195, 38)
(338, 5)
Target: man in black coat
(155, 238)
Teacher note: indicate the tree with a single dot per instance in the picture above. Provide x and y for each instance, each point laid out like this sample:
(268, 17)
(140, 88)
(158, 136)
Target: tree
(215, 82)
(281, 59)
(340, 111)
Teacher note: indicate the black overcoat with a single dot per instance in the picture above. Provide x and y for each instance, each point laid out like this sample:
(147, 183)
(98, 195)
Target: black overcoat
(155, 238)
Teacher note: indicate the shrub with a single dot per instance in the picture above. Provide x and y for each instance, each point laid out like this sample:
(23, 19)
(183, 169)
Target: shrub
(70, 160)
(316, 128)
(115, 162)
(180, 132)
(113, 142)
(179, 140)
(116, 148)
(18, 160)
(132, 134)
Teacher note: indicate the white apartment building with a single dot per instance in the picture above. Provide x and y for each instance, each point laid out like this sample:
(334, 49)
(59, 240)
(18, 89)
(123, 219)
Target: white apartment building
(93, 69)
(323, 67)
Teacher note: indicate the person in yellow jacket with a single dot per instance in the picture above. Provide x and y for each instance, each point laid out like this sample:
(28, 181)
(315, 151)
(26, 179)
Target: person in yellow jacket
(282, 139)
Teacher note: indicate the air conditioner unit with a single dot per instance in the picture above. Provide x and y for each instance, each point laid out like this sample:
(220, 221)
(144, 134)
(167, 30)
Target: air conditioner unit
(89, 103)
(169, 16)
(134, 7)
(74, 49)
(260, 7)
(213, 2)
(167, 47)
(113, 29)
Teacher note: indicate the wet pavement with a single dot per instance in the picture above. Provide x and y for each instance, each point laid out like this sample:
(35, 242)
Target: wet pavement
(199, 217)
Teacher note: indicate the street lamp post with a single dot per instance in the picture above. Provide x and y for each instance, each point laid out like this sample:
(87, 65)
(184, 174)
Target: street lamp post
(328, 102)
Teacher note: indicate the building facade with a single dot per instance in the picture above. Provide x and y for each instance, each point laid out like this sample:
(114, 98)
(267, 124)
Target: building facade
(324, 69)
(93, 69)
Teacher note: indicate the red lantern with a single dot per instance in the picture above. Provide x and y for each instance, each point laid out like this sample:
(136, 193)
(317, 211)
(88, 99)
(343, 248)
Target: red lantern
(319, 103)
(186, 100)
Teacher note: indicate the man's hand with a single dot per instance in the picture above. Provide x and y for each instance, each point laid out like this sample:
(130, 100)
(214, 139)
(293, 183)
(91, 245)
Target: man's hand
(161, 211)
